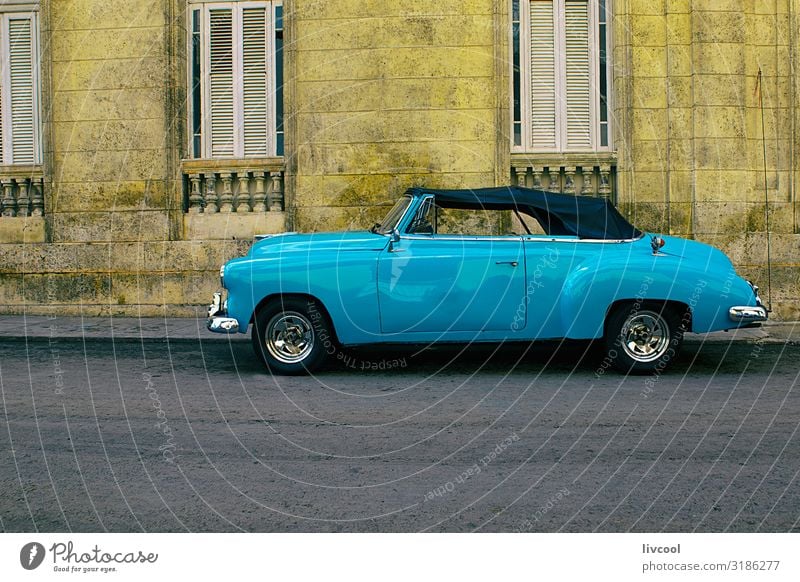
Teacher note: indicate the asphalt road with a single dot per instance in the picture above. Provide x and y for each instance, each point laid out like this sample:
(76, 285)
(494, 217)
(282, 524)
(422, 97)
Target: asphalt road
(174, 436)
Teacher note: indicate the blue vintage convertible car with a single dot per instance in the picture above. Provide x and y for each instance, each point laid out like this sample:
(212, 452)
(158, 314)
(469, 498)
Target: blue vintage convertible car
(487, 265)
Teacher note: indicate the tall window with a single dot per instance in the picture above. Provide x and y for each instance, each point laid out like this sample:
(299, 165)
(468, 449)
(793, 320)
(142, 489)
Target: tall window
(236, 68)
(560, 75)
(20, 134)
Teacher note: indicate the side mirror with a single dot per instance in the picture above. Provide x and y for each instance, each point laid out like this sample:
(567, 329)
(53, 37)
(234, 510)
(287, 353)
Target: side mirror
(394, 238)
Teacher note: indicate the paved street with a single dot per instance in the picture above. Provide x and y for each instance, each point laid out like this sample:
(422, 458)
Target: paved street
(155, 435)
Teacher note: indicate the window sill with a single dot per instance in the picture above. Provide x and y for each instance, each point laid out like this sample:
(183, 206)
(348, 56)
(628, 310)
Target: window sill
(558, 159)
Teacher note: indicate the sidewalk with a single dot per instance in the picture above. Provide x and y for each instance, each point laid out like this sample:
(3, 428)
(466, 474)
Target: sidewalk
(178, 328)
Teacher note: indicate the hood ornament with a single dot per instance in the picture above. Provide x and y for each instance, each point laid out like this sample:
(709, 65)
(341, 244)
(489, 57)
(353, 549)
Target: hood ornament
(657, 243)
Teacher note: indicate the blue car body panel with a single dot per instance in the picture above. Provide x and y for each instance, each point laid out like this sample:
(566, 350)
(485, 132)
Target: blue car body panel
(422, 288)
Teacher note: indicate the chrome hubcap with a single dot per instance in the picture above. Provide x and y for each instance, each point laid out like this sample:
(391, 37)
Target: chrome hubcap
(290, 337)
(645, 336)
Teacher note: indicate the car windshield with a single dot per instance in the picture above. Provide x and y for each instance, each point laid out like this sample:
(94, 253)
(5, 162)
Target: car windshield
(393, 217)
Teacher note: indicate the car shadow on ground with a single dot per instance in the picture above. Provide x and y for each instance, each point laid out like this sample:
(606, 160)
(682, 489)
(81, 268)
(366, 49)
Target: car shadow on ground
(546, 357)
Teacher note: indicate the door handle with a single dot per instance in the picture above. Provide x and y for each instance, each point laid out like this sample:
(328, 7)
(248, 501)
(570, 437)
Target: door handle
(512, 263)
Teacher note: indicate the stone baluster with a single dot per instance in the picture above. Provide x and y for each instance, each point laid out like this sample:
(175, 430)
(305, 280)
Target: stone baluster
(569, 179)
(260, 194)
(9, 205)
(516, 179)
(587, 188)
(37, 197)
(23, 200)
(196, 195)
(604, 182)
(276, 194)
(243, 196)
(211, 193)
(537, 177)
(226, 198)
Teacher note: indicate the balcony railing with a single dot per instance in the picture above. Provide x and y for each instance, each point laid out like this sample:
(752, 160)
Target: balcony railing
(590, 175)
(241, 186)
(21, 191)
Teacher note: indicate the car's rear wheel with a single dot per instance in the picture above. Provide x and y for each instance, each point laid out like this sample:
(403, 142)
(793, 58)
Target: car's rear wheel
(644, 338)
(290, 335)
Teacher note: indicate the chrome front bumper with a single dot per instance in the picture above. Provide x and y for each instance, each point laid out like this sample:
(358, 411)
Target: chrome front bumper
(747, 314)
(217, 321)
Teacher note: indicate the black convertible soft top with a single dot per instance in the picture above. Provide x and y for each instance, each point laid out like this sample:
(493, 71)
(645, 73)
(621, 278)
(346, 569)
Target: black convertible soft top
(559, 214)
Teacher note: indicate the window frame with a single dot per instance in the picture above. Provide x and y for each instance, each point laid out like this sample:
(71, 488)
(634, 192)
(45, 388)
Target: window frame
(19, 11)
(273, 91)
(526, 114)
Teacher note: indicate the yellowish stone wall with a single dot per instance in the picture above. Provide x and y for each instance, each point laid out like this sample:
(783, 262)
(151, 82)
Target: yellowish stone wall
(388, 95)
(689, 128)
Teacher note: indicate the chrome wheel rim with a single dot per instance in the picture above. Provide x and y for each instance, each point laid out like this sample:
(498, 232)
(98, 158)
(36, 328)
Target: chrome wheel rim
(645, 336)
(289, 337)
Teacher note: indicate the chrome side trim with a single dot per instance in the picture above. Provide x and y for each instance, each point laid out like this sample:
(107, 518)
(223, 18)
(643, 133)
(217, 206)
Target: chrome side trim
(747, 313)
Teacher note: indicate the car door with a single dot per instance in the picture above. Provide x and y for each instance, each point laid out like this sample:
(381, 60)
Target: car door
(451, 283)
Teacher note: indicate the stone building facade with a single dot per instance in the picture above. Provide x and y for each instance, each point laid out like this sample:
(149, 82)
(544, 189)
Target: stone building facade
(144, 142)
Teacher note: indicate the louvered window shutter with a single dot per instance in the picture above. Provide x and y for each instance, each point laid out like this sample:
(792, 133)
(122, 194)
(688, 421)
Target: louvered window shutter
(543, 76)
(220, 79)
(577, 71)
(21, 73)
(254, 81)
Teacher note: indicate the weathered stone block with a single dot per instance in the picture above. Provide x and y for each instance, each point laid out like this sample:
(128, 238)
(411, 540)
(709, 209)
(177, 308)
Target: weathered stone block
(648, 30)
(110, 226)
(109, 165)
(649, 61)
(375, 63)
(715, 122)
(422, 30)
(650, 93)
(110, 195)
(650, 124)
(22, 229)
(305, 9)
(234, 225)
(130, 73)
(100, 105)
(86, 14)
(398, 126)
(719, 58)
(116, 135)
(401, 158)
(98, 43)
(401, 94)
(718, 27)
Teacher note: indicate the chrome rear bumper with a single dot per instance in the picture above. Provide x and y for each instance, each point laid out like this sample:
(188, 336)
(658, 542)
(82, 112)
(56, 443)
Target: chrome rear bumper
(747, 314)
(217, 321)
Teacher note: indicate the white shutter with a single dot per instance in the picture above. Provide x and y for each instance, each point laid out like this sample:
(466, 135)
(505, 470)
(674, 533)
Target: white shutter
(577, 75)
(21, 72)
(543, 75)
(221, 82)
(254, 81)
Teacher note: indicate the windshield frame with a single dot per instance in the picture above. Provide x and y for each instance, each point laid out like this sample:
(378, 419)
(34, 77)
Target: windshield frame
(400, 209)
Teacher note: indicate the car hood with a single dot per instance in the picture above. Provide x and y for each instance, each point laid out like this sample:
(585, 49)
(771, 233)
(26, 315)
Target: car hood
(319, 241)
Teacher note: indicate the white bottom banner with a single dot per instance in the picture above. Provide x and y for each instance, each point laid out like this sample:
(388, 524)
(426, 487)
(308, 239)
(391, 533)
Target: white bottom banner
(373, 557)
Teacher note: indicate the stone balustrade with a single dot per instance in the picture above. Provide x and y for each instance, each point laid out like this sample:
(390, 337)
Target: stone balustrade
(21, 191)
(241, 186)
(591, 175)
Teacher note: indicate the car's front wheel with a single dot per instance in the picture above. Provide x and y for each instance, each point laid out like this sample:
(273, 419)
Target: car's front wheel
(289, 335)
(644, 338)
